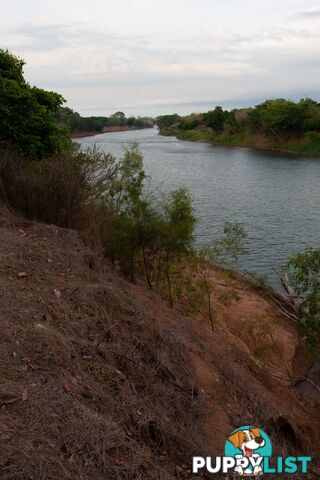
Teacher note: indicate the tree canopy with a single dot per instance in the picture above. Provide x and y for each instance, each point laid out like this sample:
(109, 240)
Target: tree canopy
(27, 114)
(276, 119)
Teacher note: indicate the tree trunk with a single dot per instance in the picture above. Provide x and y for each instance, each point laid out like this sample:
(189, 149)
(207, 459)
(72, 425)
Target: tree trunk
(169, 281)
(209, 303)
(146, 268)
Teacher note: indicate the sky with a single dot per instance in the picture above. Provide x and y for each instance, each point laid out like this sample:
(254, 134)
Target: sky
(151, 57)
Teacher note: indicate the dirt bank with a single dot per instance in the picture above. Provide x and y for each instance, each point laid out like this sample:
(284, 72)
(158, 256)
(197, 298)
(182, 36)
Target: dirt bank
(100, 379)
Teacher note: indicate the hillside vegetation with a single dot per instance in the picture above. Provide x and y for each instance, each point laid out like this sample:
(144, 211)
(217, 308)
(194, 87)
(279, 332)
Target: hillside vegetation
(275, 124)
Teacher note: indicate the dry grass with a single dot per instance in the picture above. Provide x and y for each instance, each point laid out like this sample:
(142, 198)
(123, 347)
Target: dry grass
(90, 389)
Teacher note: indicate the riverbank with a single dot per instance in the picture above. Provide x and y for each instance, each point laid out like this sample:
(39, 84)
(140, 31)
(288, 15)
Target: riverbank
(115, 128)
(308, 145)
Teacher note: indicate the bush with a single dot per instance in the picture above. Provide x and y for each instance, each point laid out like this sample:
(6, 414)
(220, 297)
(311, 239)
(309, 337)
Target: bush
(52, 190)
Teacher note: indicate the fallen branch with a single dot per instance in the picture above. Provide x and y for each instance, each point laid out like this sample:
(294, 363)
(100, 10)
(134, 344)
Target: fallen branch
(309, 381)
(282, 377)
(285, 312)
(294, 299)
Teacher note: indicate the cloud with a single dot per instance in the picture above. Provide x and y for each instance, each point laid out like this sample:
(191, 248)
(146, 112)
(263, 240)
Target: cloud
(100, 69)
(307, 14)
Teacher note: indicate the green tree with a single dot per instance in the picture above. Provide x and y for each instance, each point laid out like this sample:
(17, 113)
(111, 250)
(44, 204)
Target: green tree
(233, 242)
(215, 119)
(303, 271)
(281, 116)
(122, 193)
(191, 121)
(166, 121)
(311, 114)
(230, 122)
(176, 231)
(27, 114)
(205, 259)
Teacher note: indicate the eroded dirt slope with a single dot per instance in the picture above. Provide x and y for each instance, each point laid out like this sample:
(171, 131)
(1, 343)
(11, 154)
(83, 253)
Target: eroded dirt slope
(99, 379)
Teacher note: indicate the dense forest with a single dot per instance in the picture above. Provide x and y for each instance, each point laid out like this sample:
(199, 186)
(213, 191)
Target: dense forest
(276, 124)
(97, 124)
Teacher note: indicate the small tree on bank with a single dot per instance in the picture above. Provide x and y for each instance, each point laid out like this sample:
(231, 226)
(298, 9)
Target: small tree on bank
(303, 271)
(205, 259)
(233, 242)
(176, 231)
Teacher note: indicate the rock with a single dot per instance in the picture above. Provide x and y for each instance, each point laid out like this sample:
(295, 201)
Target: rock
(22, 274)
(66, 387)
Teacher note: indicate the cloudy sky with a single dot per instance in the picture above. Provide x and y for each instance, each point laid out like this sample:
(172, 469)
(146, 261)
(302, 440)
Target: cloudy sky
(160, 56)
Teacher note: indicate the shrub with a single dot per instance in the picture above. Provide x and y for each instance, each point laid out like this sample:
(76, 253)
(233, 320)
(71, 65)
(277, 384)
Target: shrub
(52, 190)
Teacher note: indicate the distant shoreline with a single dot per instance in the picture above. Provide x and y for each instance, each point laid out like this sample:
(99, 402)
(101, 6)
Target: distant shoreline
(239, 142)
(115, 128)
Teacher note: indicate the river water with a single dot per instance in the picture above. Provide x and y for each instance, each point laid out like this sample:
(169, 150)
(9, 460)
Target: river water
(275, 196)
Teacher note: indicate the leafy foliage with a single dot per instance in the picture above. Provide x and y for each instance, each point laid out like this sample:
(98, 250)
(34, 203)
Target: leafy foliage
(304, 276)
(27, 114)
(166, 121)
(233, 242)
(215, 119)
(278, 116)
(276, 123)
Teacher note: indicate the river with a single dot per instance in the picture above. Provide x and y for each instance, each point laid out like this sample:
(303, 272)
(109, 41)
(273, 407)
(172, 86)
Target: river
(275, 196)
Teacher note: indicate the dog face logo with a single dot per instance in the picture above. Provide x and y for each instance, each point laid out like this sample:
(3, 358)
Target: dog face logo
(247, 440)
(249, 445)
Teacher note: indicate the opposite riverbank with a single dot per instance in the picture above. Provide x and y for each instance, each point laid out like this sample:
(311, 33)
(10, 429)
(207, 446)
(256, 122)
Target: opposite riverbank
(308, 145)
(115, 128)
(277, 124)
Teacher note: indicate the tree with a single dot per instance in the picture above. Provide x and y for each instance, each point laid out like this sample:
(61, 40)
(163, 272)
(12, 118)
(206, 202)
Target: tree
(166, 121)
(119, 118)
(233, 242)
(303, 271)
(281, 116)
(122, 193)
(206, 258)
(176, 230)
(230, 123)
(27, 114)
(311, 114)
(215, 119)
(191, 121)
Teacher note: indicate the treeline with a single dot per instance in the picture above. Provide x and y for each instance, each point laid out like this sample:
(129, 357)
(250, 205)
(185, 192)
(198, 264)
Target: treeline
(76, 123)
(274, 123)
